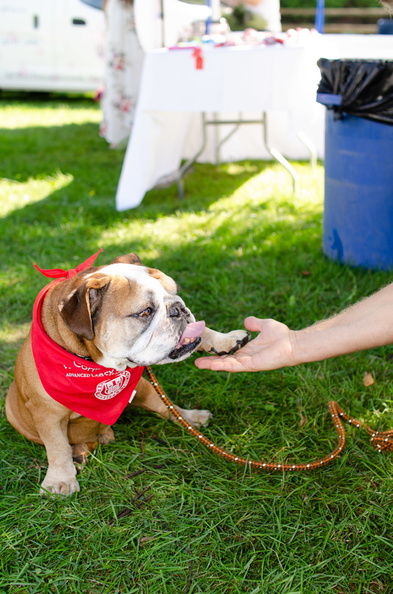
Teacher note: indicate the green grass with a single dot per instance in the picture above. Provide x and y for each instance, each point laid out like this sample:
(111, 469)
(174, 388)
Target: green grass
(239, 244)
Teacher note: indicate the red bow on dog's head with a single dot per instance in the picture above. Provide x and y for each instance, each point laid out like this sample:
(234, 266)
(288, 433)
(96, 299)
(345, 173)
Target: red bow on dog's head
(60, 273)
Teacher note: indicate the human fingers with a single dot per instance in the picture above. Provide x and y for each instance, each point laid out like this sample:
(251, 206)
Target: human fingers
(230, 364)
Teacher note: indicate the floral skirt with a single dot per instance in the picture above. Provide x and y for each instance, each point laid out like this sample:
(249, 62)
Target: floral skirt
(123, 67)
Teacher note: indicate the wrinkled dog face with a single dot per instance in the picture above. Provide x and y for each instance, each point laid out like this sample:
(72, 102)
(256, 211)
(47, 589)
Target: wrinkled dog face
(137, 317)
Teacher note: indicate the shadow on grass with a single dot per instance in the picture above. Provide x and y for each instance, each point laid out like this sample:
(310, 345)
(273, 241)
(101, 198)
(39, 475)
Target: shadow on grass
(71, 217)
(77, 150)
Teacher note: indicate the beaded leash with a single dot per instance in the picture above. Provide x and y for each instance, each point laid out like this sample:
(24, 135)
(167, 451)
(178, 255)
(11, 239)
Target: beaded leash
(381, 440)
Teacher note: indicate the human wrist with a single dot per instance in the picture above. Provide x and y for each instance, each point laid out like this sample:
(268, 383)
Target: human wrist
(309, 345)
(297, 348)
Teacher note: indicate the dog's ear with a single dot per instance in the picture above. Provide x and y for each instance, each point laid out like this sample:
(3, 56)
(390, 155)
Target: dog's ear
(80, 307)
(127, 259)
(167, 282)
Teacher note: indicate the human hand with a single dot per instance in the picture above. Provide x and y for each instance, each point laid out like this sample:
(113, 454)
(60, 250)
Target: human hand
(271, 349)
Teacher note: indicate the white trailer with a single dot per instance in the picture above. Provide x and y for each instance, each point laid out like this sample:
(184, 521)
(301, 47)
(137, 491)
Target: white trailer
(51, 45)
(59, 45)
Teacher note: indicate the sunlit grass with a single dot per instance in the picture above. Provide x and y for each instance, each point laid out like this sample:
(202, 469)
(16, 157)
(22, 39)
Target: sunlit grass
(26, 114)
(238, 212)
(21, 194)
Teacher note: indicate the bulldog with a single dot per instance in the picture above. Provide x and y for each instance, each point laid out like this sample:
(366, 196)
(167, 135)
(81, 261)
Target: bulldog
(93, 331)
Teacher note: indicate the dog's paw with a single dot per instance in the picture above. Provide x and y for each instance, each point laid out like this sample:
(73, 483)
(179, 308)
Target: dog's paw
(196, 417)
(224, 344)
(60, 487)
(106, 436)
(81, 451)
(201, 418)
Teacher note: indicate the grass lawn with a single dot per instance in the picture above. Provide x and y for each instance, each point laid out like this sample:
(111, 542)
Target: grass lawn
(238, 244)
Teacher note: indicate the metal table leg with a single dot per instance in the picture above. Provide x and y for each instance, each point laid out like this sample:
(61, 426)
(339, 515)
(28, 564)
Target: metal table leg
(275, 153)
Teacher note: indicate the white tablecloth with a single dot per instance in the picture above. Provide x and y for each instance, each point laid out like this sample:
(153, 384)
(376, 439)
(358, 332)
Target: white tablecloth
(280, 80)
(167, 126)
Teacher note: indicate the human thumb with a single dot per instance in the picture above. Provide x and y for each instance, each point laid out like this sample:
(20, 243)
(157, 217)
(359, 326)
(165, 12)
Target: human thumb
(254, 324)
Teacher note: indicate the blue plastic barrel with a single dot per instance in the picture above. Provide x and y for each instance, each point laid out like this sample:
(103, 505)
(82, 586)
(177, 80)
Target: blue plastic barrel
(358, 210)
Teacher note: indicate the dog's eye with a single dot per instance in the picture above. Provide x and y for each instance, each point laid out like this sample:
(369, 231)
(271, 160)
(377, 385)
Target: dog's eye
(146, 312)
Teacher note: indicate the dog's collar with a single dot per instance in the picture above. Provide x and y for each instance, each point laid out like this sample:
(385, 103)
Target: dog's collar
(85, 358)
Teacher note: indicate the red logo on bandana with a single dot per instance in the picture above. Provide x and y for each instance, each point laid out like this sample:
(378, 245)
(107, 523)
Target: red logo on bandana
(111, 388)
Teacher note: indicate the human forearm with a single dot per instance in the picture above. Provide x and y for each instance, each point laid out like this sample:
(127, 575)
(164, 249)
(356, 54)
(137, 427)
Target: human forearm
(367, 324)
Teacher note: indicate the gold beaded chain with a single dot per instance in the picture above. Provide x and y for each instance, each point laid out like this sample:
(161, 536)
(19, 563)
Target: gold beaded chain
(381, 440)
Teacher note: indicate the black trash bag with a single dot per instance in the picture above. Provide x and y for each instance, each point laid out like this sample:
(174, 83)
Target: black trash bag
(362, 88)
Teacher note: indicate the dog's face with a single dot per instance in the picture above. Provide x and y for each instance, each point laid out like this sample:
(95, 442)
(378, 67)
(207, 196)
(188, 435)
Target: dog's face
(132, 315)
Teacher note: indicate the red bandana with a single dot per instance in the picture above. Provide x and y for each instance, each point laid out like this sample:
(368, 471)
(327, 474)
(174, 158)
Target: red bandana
(89, 389)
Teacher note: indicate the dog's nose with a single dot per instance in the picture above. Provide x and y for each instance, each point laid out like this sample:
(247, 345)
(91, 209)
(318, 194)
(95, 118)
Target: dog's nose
(176, 310)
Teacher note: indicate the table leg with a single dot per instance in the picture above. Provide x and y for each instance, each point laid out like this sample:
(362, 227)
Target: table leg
(276, 153)
(186, 166)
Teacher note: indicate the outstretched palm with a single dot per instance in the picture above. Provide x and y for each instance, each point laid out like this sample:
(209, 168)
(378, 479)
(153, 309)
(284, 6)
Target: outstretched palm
(271, 349)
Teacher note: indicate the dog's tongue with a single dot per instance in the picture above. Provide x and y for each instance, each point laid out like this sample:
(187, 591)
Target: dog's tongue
(193, 331)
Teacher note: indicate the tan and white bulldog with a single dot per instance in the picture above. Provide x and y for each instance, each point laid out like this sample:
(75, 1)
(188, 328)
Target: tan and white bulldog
(98, 327)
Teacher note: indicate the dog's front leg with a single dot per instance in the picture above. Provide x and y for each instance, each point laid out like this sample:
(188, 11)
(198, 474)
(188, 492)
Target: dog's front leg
(52, 427)
(60, 477)
(220, 343)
